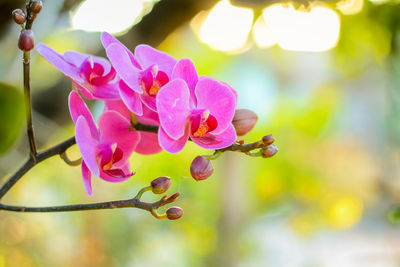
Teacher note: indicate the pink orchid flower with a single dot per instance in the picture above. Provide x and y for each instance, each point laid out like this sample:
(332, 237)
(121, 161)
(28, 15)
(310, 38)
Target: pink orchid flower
(199, 108)
(148, 143)
(93, 76)
(105, 152)
(142, 74)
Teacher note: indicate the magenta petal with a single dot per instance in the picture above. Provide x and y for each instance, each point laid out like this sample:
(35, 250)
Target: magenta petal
(130, 98)
(87, 179)
(218, 99)
(107, 91)
(148, 56)
(173, 107)
(118, 106)
(124, 66)
(185, 70)
(149, 101)
(210, 141)
(149, 116)
(58, 61)
(77, 107)
(107, 39)
(115, 128)
(87, 145)
(170, 145)
(84, 91)
(75, 58)
(117, 175)
(148, 144)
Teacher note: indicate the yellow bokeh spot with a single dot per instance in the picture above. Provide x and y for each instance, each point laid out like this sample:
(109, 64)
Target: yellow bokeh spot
(269, 186)
(343, 212)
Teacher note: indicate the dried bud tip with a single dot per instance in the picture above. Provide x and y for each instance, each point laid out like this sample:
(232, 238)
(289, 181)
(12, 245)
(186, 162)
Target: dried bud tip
(174, 197)
(174, 213)
(269, 151)
(36, 6)
(160, 185)
(201, 168)
(268, 140)
(243, 121)
(26, 40)
(19, 16)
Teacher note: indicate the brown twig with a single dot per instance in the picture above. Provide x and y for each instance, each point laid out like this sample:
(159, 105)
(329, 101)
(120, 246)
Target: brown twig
(117, 204)
(27, 88)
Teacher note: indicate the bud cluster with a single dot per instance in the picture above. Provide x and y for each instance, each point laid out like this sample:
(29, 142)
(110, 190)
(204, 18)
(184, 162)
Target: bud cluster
(26, 40)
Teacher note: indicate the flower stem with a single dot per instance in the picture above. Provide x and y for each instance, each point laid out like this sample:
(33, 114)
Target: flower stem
(28, 106)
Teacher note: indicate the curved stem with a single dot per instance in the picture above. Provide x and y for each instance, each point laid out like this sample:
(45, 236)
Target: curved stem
(31, 162)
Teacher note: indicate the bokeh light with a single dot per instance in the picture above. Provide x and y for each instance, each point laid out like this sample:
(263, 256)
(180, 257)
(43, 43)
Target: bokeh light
(314, 30)
(104, 15)
(226, 27)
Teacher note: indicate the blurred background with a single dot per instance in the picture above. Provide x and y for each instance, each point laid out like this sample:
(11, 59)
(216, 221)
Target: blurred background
(324, 79)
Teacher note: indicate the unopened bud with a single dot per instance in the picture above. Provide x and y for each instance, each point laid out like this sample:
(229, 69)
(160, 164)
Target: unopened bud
(201, 168)
(269, 151)
(174, 197)
(243, 121)
(174, 213)
(160, 185)
(26, 40)
(37, 6)
(268, 140)
(18, 16)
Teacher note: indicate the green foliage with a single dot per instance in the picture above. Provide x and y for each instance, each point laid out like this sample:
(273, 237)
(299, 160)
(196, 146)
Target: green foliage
(11, 115)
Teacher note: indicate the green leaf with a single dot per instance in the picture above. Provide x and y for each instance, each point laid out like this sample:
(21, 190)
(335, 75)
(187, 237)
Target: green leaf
(11, 115)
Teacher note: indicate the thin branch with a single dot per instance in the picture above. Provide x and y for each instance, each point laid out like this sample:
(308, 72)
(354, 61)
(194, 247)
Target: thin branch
(243, 147)
(129, 203)
(27, 87)
(30, 163)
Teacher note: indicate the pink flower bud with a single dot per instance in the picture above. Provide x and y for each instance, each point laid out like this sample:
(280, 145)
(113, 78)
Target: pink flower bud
(26, 40)
(37, 6)
(268, 140)
(269, 151)
(18, 16)
(174, 213)
(201, 168)
(160, 185)
(243, 121)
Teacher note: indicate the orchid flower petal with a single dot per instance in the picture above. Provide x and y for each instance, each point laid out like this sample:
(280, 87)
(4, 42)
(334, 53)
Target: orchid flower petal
(115, 128)
(118, 106)
(117, 175)
(148, 144)
(210, 141)
(171, 145)
(148, 56)
(218, 99)
(87, 179)
(149, 101)
(122, 63)
(106, 91)
(173, 107)
(130, 98)
(107, 39)
(77, 108)
(87, 145)
(185, 70)
(149, 116)
(59, 62)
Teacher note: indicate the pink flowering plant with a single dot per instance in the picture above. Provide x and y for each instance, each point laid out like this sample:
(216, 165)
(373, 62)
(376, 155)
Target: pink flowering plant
(153, 102)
